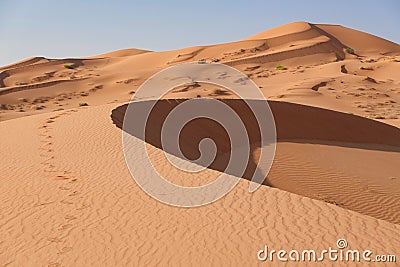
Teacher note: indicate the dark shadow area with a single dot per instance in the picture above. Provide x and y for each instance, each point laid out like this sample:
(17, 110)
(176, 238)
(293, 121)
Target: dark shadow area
(294, 123)
(3, 75)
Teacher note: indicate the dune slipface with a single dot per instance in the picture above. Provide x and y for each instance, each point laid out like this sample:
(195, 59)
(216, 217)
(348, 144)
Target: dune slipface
(68, 199)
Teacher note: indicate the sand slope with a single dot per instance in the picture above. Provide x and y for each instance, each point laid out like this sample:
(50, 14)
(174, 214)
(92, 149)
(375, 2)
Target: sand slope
(76, 208)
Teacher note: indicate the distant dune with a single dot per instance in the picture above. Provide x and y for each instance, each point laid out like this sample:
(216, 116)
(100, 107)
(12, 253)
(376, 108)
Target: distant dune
(354, 68)
(123, 53)
(68, 199)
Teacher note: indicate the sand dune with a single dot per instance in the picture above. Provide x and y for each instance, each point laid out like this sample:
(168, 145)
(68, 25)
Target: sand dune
(76, 208)
(284, 30)
(356, 39)
(122, 53)
(25, 62)
(67, 197)
(317, 131)
(306, 51)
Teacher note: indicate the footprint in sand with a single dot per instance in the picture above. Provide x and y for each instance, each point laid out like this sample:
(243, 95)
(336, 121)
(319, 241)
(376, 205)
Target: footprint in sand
(54, 239)
(75, 193)
(84, 206)
(59, 178)
(66, 202)
(64, 188)
(43, 204)
(64, 250)
(65, 227)
(46, 160)
(70, 217)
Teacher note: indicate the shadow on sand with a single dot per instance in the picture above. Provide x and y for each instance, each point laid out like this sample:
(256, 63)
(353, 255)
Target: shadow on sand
(294, 123)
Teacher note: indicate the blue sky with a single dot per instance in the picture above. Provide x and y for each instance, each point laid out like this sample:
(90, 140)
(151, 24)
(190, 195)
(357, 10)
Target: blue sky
(58, 29)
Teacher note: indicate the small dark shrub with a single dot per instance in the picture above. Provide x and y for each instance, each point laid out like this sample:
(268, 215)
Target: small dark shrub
(218, 92)
(68, 66)
(350, 50)
(279, 67)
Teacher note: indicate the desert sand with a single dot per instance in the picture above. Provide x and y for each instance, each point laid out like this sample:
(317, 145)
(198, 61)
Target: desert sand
(68, 199)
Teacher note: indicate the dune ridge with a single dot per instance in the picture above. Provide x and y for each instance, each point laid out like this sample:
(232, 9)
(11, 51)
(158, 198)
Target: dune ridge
(25, 62)
(122, 53)
(13, 89)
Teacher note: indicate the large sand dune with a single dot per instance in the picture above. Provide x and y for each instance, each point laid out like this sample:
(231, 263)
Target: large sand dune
(66, 203)
(68, 199)
(306, 133)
